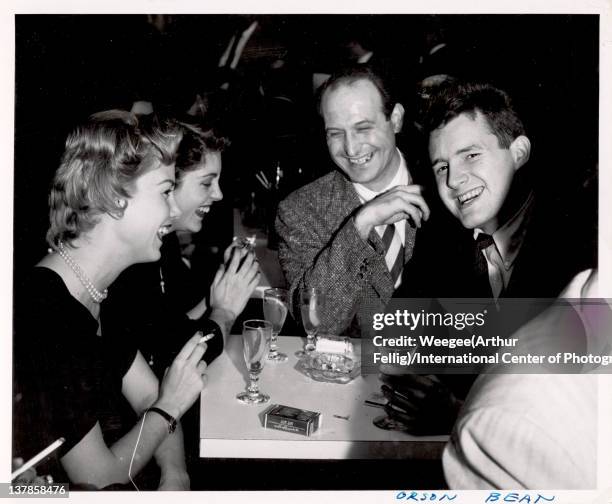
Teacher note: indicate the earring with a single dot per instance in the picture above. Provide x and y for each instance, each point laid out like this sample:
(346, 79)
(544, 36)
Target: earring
(121, 203)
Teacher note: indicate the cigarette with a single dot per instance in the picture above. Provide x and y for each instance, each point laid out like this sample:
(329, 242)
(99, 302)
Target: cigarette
(206, 338)
(37, 458)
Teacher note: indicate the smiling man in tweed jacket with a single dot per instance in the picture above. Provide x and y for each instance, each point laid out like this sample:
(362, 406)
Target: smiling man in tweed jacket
(350, 232)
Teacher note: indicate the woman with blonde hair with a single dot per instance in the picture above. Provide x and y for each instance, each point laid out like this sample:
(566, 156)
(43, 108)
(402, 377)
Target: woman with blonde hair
(111, 203)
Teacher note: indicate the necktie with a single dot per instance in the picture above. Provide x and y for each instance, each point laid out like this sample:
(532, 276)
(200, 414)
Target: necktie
(483, 286)
(394, 255)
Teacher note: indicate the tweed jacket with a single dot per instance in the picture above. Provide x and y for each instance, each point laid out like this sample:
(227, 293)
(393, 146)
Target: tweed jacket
(319, 246)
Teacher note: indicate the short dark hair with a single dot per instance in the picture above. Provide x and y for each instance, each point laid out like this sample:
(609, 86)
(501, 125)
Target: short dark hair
(452, 99)
(352, 73)
(101, 162)
(198, 140)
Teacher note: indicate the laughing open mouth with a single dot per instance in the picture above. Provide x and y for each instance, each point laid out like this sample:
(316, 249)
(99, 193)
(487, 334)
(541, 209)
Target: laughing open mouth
(360, 160)
(163, 231)
(469, 196)
(202, 211)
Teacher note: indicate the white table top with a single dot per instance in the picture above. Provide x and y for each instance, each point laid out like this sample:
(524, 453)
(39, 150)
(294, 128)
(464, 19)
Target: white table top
(230, 429)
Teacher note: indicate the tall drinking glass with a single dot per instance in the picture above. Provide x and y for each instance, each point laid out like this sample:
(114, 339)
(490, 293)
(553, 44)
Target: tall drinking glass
(256, 336)
(311, 308)
(275, 306)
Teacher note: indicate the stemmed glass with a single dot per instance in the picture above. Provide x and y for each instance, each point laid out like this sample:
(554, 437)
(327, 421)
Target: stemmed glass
(256, 336)
(311, 308)
(275, 306)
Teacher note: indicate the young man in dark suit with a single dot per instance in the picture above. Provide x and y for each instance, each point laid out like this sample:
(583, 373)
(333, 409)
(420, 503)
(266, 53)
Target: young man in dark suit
(479, 152)
(509, 244)
(350, 232)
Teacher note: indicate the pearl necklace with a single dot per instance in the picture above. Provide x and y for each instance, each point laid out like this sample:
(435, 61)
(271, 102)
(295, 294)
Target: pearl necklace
(96, 295)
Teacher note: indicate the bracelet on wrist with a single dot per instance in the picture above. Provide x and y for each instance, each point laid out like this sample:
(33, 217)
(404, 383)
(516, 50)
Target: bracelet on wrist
(172, 423)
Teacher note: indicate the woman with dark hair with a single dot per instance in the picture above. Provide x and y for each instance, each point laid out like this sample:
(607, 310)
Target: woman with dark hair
(160, 305)
(198, 173)
(110, 205)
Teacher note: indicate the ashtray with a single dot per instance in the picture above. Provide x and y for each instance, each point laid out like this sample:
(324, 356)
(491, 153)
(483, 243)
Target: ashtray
(329, 367)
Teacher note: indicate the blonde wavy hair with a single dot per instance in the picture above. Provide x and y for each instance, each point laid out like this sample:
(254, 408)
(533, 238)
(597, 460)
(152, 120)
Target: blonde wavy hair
(101, 161)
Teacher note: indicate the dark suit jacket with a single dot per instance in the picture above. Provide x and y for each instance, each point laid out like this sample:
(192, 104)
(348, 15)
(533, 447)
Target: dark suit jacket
(443, 267)
(551, 255)
(319, 247)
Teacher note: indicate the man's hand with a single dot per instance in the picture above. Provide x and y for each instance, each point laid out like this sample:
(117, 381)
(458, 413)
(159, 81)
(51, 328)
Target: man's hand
(399, 202)
(423, 403)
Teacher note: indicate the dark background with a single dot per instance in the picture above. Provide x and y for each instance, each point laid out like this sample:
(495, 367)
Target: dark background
(70, 66)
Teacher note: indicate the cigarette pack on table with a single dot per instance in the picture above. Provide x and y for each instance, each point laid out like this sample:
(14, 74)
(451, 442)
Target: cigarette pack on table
(289, 419)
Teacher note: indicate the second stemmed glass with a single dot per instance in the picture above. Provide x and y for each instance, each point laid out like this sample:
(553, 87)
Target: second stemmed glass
(311, 309)
(275, 306)
(256, 336)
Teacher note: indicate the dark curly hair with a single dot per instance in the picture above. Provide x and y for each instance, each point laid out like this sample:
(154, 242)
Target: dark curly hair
(198, 139)
(454, 98)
